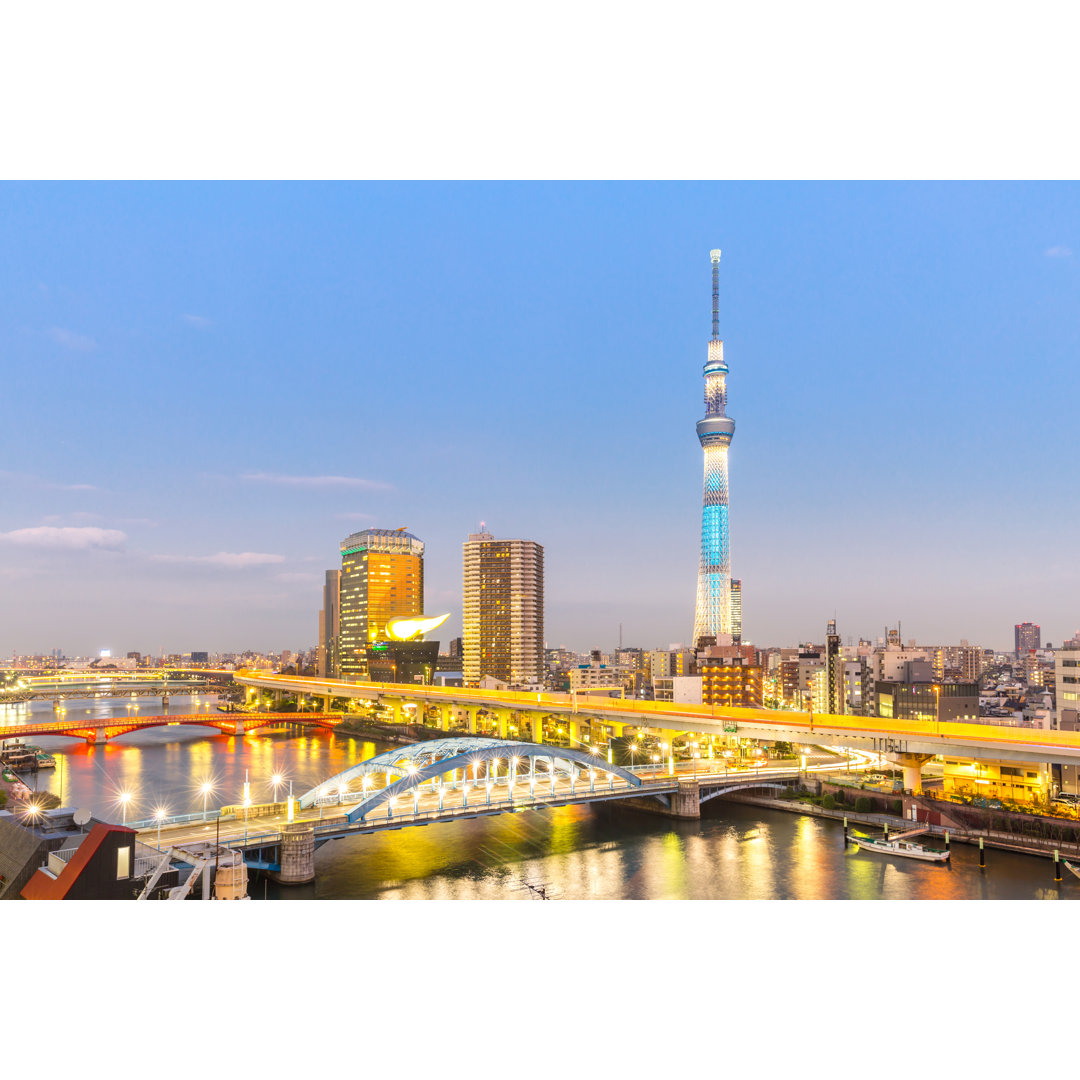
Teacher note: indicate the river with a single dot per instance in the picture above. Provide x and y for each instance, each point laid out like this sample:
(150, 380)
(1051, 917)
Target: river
(576, 852)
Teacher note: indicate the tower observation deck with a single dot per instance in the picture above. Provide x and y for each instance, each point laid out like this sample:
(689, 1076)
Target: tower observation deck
(712, 614)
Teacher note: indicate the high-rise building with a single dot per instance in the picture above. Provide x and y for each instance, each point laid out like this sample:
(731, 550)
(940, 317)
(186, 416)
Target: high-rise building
(382, 575)
(736, 611)
(1027, 635)
(834, 672)
(503, 610)
(712, 613)
(329, 627)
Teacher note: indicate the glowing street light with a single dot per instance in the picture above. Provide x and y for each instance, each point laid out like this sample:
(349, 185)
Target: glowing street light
(206, 788)
(125, 798)
(160, 814)
(275, 782)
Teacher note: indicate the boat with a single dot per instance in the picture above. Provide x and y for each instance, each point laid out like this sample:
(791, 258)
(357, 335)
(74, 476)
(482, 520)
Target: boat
(1073, 867)
(905, 848)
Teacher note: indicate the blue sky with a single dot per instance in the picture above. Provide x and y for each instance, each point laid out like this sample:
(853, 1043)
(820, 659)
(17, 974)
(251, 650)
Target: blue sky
(209, 385)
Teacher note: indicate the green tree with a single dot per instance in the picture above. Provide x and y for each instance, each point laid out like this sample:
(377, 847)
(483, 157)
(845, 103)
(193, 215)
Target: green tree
(862, 805)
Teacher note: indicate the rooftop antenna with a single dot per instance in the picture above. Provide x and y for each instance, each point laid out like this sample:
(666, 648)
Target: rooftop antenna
(714, 255)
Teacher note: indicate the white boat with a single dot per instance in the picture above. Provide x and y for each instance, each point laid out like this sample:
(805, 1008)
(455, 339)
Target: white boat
(1072, 866)
(905, 848)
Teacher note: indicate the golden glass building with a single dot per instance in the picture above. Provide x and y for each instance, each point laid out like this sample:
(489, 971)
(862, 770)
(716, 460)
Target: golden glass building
(503, 610)
(382, 576)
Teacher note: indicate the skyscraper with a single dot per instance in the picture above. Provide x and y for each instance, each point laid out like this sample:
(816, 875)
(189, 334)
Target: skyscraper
(1027, 635)
(329, 627)
(503, 610)
(382, 575)
(712, 614)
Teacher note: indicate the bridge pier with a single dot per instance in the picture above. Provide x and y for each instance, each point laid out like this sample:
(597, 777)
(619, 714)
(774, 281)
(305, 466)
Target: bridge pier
(297, 858)
(686, 802)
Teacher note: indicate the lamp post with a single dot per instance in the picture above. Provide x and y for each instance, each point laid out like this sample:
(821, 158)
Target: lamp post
(937, 709)
(125, 798)
(159, 813)
(206, 789)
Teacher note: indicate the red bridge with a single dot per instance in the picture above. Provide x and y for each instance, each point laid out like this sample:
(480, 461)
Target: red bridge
(107, 728)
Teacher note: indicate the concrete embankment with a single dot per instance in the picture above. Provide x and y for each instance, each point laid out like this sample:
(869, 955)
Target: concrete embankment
(991, 838)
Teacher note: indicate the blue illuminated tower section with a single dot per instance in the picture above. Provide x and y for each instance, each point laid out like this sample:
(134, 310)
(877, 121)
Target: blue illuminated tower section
(712, 615)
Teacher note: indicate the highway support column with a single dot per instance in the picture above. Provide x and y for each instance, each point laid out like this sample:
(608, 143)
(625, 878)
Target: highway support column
(912, 765)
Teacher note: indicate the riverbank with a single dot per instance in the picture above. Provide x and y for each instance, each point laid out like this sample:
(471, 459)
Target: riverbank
(991, 838)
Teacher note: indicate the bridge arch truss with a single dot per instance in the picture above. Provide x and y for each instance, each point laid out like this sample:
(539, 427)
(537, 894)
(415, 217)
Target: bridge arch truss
(427, 762)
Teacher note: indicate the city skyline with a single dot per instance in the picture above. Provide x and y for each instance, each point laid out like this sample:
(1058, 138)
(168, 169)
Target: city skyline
(254, 377)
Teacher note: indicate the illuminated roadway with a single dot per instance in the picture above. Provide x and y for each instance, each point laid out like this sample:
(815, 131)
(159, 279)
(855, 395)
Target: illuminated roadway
(871, 733)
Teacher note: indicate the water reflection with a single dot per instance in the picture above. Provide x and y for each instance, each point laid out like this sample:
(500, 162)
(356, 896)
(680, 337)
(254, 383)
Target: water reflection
(580, 853)
(735, 852)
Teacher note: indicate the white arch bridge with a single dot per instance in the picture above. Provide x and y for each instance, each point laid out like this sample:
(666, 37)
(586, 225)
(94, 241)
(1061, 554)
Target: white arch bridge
(451, 771)
(449, 780)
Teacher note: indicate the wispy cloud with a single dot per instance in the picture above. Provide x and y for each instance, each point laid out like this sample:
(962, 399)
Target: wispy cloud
(70, 340)
(76, 515)
(1058, 252)
(201, 321)
(232, 560)
(317, 481)
(28, 478)
(66, 538)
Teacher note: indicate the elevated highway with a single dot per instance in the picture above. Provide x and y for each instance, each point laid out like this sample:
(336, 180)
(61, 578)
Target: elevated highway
(898, 738)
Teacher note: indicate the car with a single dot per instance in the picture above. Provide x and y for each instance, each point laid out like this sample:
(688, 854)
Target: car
(1066, 797)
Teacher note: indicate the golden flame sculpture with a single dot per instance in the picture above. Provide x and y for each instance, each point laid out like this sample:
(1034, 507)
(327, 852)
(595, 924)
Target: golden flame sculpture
(407, 627)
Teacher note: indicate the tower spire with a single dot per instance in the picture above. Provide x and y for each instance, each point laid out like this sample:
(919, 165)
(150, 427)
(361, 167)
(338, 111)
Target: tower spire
(712, 613)
(714, 256)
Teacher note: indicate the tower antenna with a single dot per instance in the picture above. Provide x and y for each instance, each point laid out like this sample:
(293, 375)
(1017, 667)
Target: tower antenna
(714, 255)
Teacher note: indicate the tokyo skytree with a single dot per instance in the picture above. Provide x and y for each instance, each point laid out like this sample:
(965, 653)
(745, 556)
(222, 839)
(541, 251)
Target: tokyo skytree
(712, 615)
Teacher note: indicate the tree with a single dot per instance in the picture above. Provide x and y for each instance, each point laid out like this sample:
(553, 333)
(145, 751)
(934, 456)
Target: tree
(862, 805)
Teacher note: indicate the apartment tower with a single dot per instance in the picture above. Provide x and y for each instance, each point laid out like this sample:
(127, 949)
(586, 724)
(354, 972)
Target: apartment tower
(503, 610)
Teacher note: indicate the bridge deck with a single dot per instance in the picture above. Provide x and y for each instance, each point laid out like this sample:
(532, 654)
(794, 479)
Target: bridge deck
(474, 801)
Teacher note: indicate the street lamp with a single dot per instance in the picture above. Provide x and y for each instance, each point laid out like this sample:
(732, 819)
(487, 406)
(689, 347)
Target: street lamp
(160, 814)
(125, 798)
(275, 782)
(247, 803)
(206, 788)
(937, 709)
